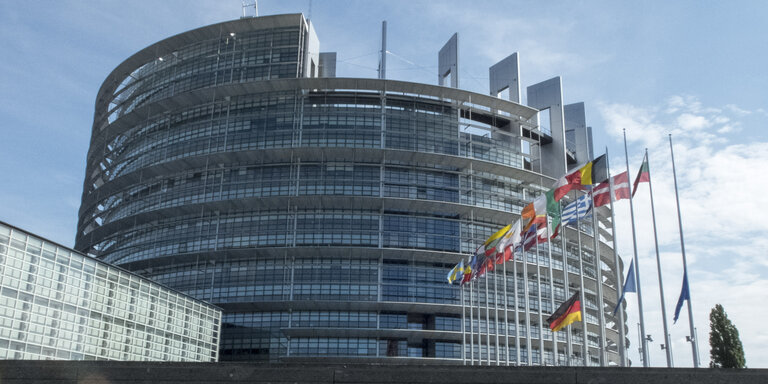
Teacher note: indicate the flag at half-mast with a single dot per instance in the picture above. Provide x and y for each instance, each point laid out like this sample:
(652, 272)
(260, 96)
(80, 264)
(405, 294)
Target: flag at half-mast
(643, 175)
(567, 313)
(629, 286)
(685, 294)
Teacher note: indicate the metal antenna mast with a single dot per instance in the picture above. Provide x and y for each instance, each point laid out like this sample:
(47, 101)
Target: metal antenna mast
(383, 62)
(247, 4)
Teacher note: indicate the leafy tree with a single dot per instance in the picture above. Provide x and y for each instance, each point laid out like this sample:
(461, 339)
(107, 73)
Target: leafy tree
(726, 350)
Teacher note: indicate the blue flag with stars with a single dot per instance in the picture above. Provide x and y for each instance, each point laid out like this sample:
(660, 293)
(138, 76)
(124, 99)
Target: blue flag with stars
(629, 285)
(685, 294)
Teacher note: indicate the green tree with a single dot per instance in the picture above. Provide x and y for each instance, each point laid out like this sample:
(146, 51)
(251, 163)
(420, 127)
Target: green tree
(726, 350)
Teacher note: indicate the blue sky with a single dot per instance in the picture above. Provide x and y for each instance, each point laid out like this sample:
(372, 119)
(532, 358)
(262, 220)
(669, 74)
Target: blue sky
(693, 69)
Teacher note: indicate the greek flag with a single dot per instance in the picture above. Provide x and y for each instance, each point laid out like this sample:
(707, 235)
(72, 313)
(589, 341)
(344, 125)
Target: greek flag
(571, 214)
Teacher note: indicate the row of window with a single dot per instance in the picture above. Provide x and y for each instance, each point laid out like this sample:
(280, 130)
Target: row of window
(54, 299)
(231, 130)
(247, 230)
(244, 182)
(171, 73)
(201, 139)
(249, 335)
(400, 348)
(372, 320)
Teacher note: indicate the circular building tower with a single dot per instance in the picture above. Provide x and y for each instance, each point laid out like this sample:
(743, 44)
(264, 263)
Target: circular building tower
(323, 214)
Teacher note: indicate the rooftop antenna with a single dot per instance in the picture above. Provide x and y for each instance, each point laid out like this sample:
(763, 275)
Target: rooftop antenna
(248, 4)
(383, 63)
(309, 13)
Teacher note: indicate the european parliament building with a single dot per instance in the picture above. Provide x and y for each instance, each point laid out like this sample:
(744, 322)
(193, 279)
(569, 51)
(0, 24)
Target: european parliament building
(323, 213)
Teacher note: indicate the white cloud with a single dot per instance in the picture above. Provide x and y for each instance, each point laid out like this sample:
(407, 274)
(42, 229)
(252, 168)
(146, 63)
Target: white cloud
(738, 111)
(674, 103)
(542, 40)
(636, 121)
(729, 129)
(690, 122)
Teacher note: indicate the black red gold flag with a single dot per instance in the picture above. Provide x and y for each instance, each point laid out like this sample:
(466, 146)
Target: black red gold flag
(567, 313)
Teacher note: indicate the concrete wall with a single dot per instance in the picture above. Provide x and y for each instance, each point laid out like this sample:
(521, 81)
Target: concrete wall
(90, 372)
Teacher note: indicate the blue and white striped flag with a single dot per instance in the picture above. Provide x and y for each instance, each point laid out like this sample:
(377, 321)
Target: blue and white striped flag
(570, 213)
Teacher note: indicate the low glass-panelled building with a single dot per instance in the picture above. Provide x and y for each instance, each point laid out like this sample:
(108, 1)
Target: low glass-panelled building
(58, 304)
(322, 214)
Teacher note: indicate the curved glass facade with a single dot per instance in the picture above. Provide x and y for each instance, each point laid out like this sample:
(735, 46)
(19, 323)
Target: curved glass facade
(323, 214)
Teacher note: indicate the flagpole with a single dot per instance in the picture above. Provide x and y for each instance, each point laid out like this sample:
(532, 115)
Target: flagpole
(527, 309)
(479, 331)
(599, 280)
(643, 340)
(471, 325)
(551, 290)
(463, 308)
(667, 342)
(517, 309)
(506, 310)
(463, 325)
(563, 244)
(694, 342)
(619, 272)
(582, 297)
(487, 316)
(479, 328)
(518, 344)
(496, 314)
(538, 295)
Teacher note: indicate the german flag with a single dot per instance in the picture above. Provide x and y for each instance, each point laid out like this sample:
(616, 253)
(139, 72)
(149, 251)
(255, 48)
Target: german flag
(567, 313)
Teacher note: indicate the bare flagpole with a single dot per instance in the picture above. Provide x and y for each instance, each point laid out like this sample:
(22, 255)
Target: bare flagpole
(463, 325)
(667, 343)
(479, 327)
(471, 323)
(599, 288)
(506, 309)
(643, 340)
(517, 308)
(538, 294)
(694, 342)
(556, 360)
(526, 295)
(487, 315)
(563, 242)
(583, 296)
(496, 313)
(619, 272)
